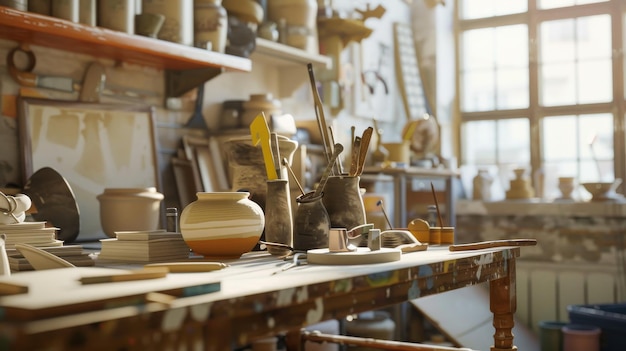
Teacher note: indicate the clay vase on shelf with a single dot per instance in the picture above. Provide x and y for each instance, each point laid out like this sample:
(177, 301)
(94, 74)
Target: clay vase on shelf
(222, 225)
(300, 19)
(129, 209)
(566, 186)
(344, 202)
(210, 25)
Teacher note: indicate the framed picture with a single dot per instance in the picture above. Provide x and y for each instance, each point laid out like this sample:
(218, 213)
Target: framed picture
(93, 146)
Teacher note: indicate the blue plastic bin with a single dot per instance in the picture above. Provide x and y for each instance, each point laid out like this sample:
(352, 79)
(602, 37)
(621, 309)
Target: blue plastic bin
(610, 318)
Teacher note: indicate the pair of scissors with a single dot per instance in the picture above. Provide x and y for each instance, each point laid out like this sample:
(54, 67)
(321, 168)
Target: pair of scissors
(90, 89)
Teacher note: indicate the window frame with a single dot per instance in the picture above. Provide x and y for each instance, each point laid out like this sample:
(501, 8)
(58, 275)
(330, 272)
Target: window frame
(535, 112)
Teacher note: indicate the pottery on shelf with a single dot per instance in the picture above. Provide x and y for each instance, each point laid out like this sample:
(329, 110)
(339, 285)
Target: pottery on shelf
(222, 225)
(129, 209)
(210, 25)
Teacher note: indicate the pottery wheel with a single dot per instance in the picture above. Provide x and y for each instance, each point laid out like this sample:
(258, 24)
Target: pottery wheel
(362, 255)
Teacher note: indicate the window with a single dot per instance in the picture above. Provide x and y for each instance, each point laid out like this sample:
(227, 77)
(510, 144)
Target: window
(536, 82)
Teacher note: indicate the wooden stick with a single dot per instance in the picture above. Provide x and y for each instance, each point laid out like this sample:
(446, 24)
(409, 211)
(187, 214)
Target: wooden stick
(316, 336)
(493, 243)
(295, 179)
(7, 288)
(432, 187)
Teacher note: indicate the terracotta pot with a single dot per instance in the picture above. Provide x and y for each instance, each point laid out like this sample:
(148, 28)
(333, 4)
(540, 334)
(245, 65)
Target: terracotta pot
(222, 225)
(126, 209)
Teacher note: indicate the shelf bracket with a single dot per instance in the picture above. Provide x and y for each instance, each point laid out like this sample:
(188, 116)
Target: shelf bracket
(178, 82)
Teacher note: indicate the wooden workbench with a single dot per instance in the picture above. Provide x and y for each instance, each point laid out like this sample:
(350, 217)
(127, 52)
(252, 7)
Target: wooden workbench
(254, 301)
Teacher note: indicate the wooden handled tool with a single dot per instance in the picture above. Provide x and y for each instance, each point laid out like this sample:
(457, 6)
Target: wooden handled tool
(365, 144)
(494, 243)
(139, 274)
(184, 267)
(354, 156)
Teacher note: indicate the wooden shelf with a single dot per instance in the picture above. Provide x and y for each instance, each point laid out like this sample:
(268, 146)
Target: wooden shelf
(56, 33)
(292, 63)
(283, 55)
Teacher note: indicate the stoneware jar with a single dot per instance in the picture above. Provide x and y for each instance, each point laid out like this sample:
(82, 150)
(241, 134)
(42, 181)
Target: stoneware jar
(344, 202)
(125, 209)
(278, 216)
(311, 224)
(222, 225)
(210, 25)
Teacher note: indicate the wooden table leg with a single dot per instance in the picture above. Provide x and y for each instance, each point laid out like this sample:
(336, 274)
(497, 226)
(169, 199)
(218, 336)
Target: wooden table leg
(503, 304)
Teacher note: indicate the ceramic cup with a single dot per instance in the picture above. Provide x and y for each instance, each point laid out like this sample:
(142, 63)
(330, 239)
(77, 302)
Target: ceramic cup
(149, 24)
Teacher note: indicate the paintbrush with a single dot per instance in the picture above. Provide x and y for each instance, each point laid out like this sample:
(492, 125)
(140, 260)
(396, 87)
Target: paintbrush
(432, 187)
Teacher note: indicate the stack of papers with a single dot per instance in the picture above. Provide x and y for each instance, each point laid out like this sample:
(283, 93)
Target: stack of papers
(32, 233)
(144, 246)
(74, 254)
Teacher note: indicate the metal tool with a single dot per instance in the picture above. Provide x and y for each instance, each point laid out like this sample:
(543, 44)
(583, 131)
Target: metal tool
(260, 133)
(90, 89)
(298, 260)
(329, 168)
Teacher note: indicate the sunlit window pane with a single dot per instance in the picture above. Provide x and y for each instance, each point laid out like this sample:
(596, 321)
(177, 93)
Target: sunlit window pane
(495, 68)
(559, 138)
(514, 141)
(488, 8)
(511, 46)
(575, 61)
(479, 142)
(478, 49)
(558, 85)
(593, 37)
(595, 81)
(512, 91)
(550, 4)
(557, 41)
(478, 91)
(586, 140)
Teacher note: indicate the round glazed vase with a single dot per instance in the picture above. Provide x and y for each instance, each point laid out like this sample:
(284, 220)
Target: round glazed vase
(129, 209)
(222, 224)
